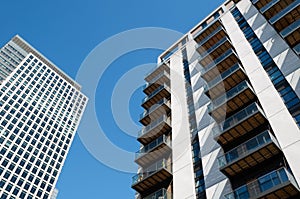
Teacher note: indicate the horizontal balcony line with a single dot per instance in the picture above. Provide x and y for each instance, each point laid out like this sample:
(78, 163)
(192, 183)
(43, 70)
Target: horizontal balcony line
(149, 147)
(159, 165)
(213, 48)
(285, 11)
(160, 88)
(265, 185)
(217, 61)
(207, 38)
(221, 77)
(164, 73)
(297, 49)
(229, 95)
(236, 118)
(268, 6)
(291, 28)
(158, 104)
(246, 148)
(208, 26)
(154, 69)
(254, 1)
(153, 124)
(160, 194)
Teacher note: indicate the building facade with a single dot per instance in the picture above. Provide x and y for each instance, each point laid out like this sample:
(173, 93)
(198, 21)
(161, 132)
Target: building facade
(222, 111)
(40, 109)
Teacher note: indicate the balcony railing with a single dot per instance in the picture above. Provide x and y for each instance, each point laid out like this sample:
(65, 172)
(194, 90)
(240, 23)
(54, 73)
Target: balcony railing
(246, 148)
(215, 46)
(291, 28)
(228, 95)
(159, 165)
(235, 119)
(160, 194)
(268, 6)
(164, 73)
(285, 11)
(216, 61)
(221, 77)
(273, 181)
(162, 139)
(160, 88)
(209, 36)
(153, 124)
(152, 70)
(158, 104)
(297, 49)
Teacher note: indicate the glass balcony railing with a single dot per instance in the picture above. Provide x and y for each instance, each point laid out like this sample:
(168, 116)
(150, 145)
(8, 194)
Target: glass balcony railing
(164, 73)
(158, 104)
(214, 47)
(297, 49)
(268, 6)
(246, 148)
(160, 88)
(153, 124)
(207, 27)
(152, 70)
(285, 11)
(209, 37)
(222, 76)
(228, 95)
(259, 187)
(159, 165)
(162, 139)
(217, 61)
(236, 118)
(160, 194)
(291, 28)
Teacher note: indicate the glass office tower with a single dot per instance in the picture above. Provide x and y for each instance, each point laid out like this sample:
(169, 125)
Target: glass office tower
(40, 109)
(222, 109)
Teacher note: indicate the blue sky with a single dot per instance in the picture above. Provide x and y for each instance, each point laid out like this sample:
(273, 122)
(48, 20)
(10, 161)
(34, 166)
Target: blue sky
(66, 31)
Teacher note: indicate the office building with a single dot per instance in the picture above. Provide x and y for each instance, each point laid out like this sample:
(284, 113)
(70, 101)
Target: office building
(40, 109)
(222, 111)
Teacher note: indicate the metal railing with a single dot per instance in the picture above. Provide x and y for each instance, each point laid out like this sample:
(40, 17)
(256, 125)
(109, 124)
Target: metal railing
(246, 148)
(160, 194)
(223, 76)
(160, 88)
(163, 73)
(159, 165)
(291, 28)
(284, 12)
(236, 118)
(162, 139)
(268, 6)
(154, 124)
(217, 61)
(262, 184)
(157, 105)
(158, 65)
(228, 95)
(215, 46)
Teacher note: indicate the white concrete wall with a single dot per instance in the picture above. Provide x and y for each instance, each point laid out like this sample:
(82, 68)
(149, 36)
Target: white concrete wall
(183, 171)
(282, 123)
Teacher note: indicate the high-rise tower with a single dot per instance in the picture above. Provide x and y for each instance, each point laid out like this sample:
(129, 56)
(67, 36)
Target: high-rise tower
(223, 111)
(40, 109)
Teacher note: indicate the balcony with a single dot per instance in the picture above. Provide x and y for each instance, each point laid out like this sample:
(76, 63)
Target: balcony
(157, 149)
(156, 71)
(153, 176)
(290, 29)
(276, 184)
(232, 77)
(210, 40)
(220, 65)
(155, 129)
(161, 107)
(203, 35)
(160, 79)
(297, 49)
(160, 194)
(214, 52)
(163, 91)
(239, 124)
(231, 101)
(249, 154)
(286, 16)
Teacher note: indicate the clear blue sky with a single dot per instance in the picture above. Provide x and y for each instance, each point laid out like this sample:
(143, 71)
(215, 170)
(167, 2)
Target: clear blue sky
(66, 31)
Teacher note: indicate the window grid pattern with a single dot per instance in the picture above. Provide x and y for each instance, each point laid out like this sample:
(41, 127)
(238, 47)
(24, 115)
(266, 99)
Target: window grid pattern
(40, 112)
